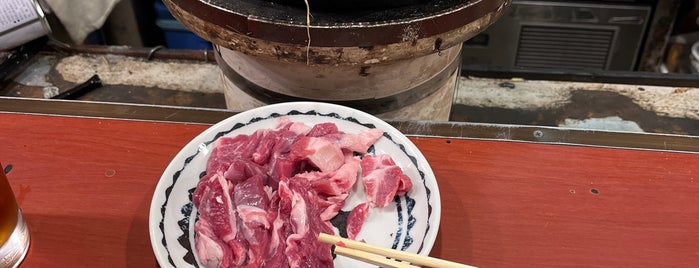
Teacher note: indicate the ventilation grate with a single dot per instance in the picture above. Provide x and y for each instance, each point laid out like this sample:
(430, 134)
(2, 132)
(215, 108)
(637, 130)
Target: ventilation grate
(563, 48)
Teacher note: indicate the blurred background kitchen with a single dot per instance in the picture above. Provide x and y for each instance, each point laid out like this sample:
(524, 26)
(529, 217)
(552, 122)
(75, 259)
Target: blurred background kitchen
(621, 65)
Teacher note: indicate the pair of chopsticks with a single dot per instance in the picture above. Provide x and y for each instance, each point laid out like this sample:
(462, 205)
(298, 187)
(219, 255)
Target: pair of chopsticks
(380, 256)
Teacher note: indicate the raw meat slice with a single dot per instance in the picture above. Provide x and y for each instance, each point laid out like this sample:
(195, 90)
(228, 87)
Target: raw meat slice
(331, 208)
(302, 247)
(268, 195)
(323, 129)
(360, 142)
(281, 229)
(282, 167)
(340, 181)
(254, 229)
(285, 139)
(224, 151)
(331, 205)
(356, 219)
(212, 252)
(345, 177)
(264, 147)
(382, 179)
(217, 207)
(227, 149)
(333, 187)
(281, 163)
(252, 203)
(215, 203)
(404, 185)
(251, 192)
(312, 176)
(253, 216)
(321, 153)
(298, 128)
(202, 188)
(242, 169)
(355, 142)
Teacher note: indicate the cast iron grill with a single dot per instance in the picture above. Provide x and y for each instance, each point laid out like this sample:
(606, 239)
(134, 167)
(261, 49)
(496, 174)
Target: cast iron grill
(563, 48)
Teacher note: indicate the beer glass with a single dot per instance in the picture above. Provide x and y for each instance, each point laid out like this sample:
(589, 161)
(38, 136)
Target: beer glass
(14, 236)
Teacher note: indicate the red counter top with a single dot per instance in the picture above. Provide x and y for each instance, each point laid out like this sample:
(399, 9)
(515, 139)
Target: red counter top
(85, 186)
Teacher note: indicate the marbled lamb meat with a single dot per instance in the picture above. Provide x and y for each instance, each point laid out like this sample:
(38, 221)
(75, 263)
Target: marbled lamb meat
(266, 196)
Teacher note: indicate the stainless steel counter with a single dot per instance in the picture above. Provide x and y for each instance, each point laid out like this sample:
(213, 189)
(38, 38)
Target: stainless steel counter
(450, 129)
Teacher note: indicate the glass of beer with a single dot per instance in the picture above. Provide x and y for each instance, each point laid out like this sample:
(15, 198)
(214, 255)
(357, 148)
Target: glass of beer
(14, 235)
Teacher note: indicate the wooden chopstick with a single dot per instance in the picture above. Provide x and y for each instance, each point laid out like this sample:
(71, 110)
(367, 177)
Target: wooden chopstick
(371, 258)
(413, 258)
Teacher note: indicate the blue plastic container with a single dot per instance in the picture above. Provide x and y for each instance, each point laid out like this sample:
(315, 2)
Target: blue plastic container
(176, 35)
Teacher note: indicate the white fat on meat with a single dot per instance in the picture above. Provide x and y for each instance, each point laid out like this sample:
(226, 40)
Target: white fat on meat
(209, 248)
(253, 216)
(322, 153)
(276, 240)
(232, 219)
(360, 142)
(299, 128)
(332, 205)
(299, 217)
(269, 191)
(337, 182)
(345, 176)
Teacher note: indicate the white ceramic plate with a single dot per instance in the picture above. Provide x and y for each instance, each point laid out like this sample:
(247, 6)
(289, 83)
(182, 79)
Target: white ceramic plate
(410, 223)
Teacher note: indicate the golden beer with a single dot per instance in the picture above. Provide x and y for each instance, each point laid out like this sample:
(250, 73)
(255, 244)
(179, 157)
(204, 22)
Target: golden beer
(8, 208)
(14, 236)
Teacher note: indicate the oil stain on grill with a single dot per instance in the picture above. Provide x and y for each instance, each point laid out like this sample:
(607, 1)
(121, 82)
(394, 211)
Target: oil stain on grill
(363, 71)
(438, 44)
